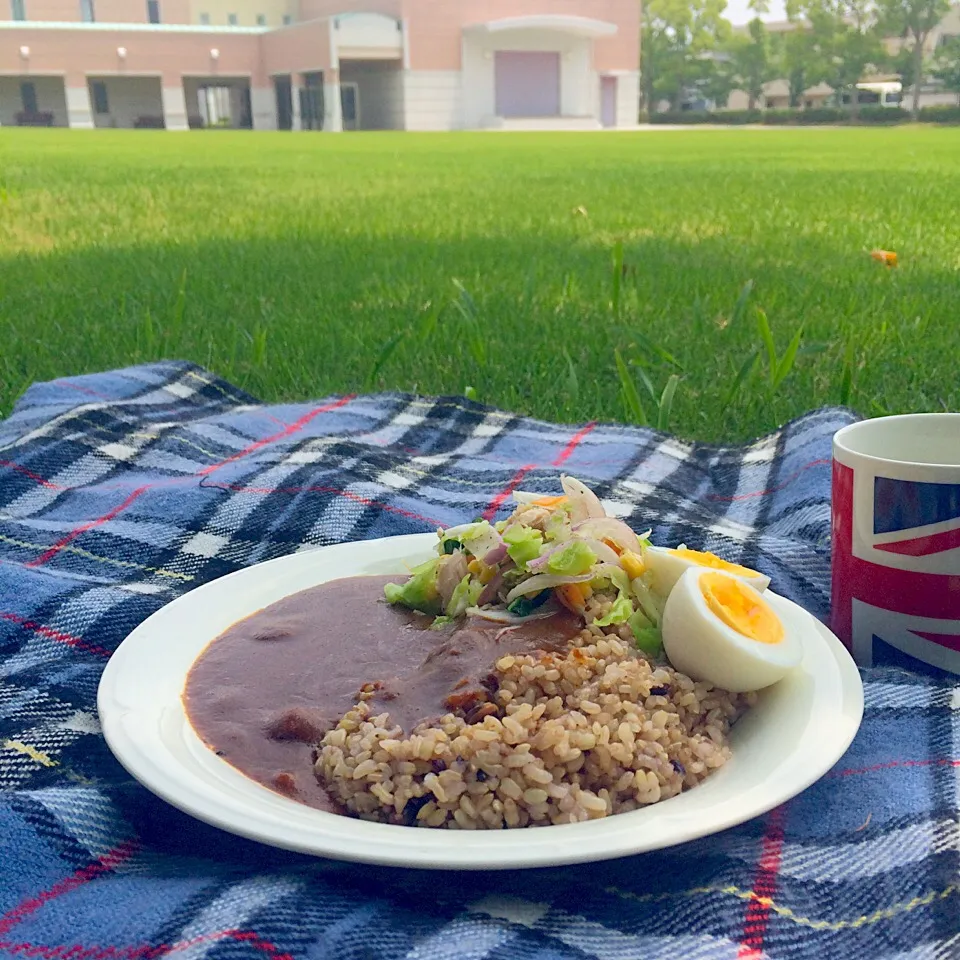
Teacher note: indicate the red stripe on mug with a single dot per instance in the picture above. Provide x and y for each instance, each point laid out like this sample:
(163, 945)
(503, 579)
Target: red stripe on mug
(901, 591)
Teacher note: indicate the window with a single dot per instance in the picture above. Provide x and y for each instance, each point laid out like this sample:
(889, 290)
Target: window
(287, 20)
(100, 102)
(28, 97)
(17, 11)
(87, 14)
(232, 19)
(204, 19)
(261, 20)
(153, 11)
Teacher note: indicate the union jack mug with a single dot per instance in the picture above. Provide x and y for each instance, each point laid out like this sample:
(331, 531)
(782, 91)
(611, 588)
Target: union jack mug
(896, 537)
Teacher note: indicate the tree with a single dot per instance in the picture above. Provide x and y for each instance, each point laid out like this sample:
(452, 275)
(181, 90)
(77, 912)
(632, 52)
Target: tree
(946, 68)
(901, 63)
(795, 60)
(844, 40)
(913, 20)
(677, 40)
(752, 60)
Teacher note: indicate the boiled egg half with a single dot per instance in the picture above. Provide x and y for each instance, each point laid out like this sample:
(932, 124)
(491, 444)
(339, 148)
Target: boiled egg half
(667, 566)
(718, 628)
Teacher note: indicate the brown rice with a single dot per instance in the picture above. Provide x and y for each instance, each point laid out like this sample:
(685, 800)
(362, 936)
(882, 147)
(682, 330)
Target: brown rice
(595, 731)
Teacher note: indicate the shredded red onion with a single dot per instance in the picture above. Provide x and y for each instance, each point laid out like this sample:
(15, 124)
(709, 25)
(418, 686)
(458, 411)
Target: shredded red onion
(609, 528)
(603, 552)
(544, 581)
(492, 557)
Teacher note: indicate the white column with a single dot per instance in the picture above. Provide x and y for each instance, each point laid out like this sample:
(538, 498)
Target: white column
(79, 114)
(263, 105)
(296, 123)
(333, 121)
(628, 99)
(174, 108)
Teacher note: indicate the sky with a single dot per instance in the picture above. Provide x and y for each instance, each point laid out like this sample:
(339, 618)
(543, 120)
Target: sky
(738, 11)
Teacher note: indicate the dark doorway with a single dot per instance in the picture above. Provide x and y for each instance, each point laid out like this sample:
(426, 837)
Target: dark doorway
(311, 102)
(284, 92)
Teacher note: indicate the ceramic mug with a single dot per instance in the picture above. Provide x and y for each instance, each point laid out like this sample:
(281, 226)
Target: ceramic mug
(896, 537)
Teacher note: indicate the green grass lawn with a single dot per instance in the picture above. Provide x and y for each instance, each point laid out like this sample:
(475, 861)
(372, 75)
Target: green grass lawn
(287, 263)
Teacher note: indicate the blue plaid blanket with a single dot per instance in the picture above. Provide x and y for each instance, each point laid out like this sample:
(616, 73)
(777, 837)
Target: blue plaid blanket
(120, 491)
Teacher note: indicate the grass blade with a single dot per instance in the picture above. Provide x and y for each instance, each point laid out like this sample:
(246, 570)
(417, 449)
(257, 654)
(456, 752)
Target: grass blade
(465, 303)
(766, 335)
(259, 345)
(478, 347)
(846, 379)
(642, 340)
(429, 321)
(745, 370)
(617, 288)
(628, 391)
(179, 306)
(467, 307)
(149, 334)
(741, 304)
(573, 381)
(647, 382)
(787, 360)
(666, 402)
(386, 351)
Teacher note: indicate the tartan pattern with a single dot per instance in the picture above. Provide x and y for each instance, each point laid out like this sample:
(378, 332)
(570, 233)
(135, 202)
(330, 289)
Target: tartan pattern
(120, 491)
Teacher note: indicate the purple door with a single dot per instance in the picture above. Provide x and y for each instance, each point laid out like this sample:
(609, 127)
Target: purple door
(608, 101)
(527, 83)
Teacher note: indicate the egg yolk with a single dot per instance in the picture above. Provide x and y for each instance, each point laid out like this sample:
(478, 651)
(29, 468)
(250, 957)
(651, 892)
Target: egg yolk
(713, 562)
(740, 608)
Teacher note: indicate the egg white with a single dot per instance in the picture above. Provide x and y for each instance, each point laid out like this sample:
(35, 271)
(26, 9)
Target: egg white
(701, 645)
(667, 568)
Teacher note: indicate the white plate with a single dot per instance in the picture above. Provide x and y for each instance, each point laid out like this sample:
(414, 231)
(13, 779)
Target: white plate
(794, 735)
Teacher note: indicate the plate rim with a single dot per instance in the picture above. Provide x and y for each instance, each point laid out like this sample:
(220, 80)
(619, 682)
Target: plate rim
(426, 851)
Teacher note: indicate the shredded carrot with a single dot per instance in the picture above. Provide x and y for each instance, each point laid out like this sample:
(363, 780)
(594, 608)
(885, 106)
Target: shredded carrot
(612, 546)
(549, 501)
(574, 596)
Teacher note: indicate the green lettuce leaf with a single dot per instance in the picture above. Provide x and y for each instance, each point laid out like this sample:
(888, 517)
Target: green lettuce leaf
(419, 592)
(465, 595)
(571, 560)
(523, 543)
(620, 612)
(648, 637)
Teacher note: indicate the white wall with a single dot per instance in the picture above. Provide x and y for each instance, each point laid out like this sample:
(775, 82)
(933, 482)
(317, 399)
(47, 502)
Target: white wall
(51, 98)
(175, 112)
(432, 99)
(369, 32)
(263, 106)
(628, 99)
(380, 86)
(579, 86)
(127, 98)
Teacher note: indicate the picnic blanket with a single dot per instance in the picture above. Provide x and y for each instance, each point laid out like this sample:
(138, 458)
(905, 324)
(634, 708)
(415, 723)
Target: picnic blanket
(120, 491)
